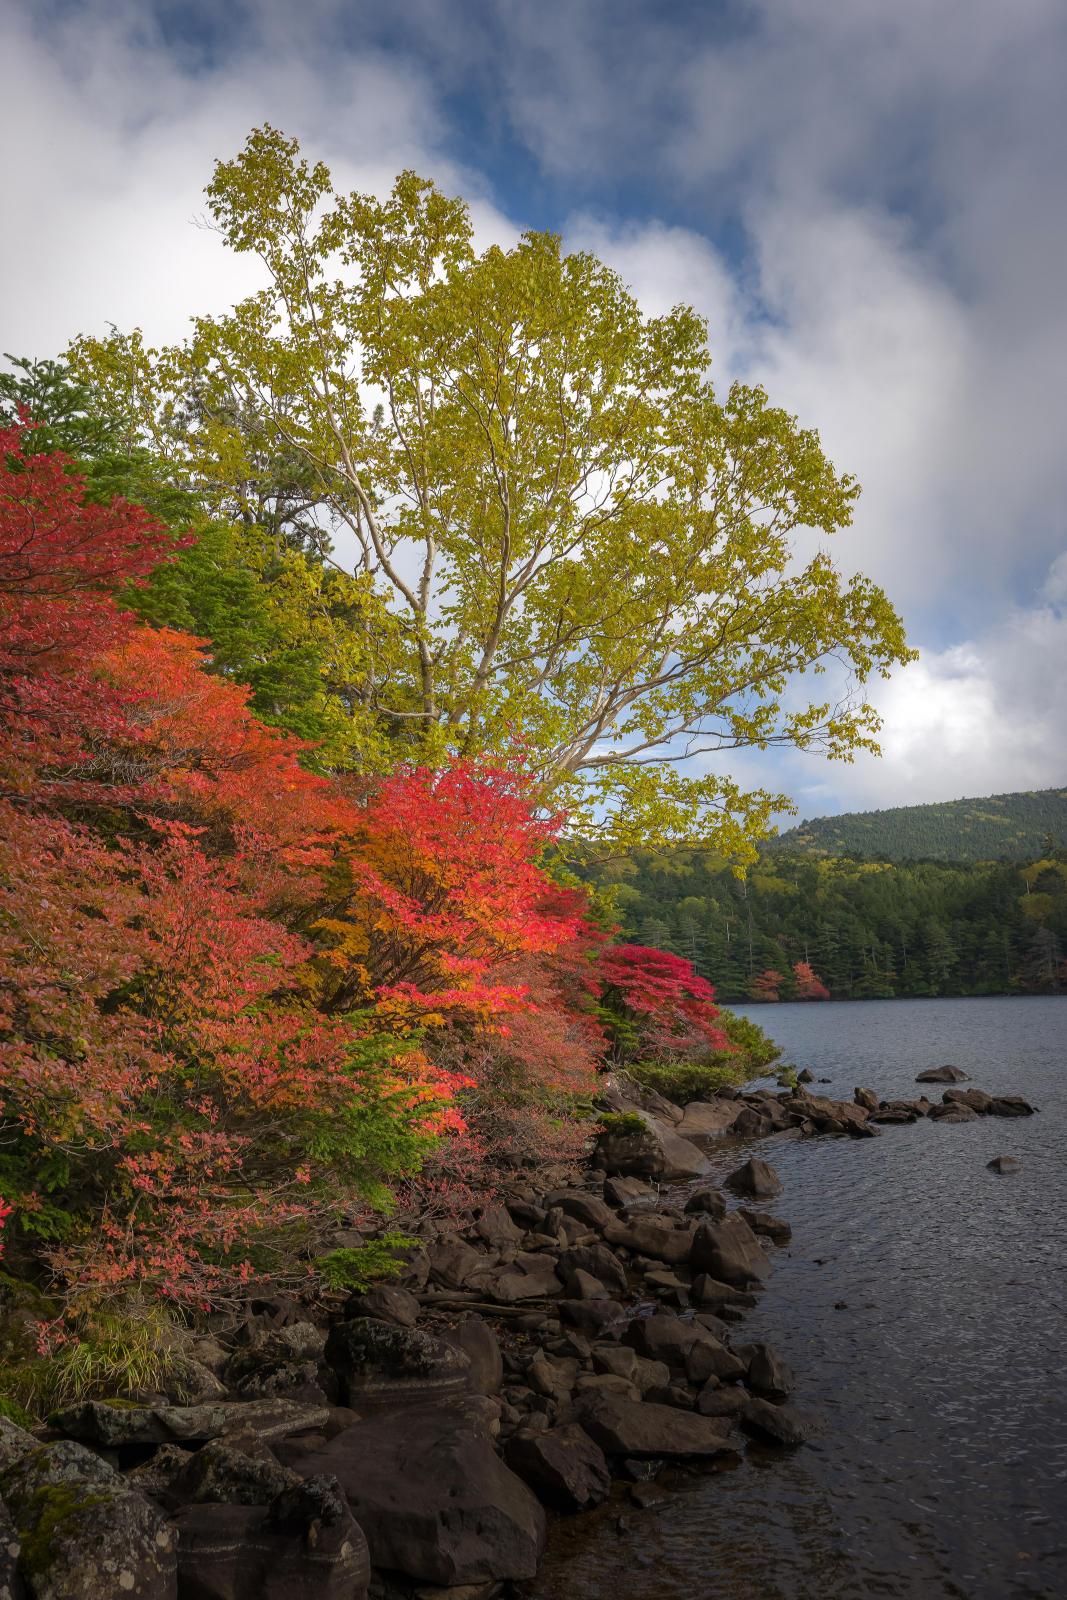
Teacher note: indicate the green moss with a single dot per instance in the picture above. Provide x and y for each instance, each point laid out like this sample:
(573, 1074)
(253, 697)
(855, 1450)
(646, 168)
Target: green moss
(42, 1520)
(617, 1124)
(359, 1267)
(14, 1412)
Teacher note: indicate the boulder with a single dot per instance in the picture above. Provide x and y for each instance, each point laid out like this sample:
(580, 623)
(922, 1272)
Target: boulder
(385, 1303)
(306, 1543)
(707, 1121)
(15, 1443)
(382, 1364)
(866, 1098)
(225, 1473)
(434, 1499)
(1004, 1164)
(564, 1467)
(663, 1337)
(654, 1150)
(756, 1180)
(709, 1358)
(85, 1533)
(773, 1424)
(586, 1208)
(942, 1075)
(768, 1374)
(619, 1360)
(110, 1423)
(651, 1236)
(593, 1317)
(1010, 1105)
(495, 1226)
(805, 1075)
(623, 1192)
(596, 1260)
(11, 1586)
(729, 1251)
(453, 1264)
(954, 1111)
(533, 1277)
(640, 1428)
(721, 1400)
(711, 1295)
(766, 1226)
(555, 1379)
(476, 1340)
(706, 1202)
(977, 1099)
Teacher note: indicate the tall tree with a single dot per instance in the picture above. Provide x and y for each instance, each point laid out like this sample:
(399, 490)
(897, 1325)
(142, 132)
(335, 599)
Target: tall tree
(574, 535)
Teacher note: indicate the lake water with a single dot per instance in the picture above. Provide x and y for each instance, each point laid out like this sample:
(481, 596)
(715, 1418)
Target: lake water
(940, 1463)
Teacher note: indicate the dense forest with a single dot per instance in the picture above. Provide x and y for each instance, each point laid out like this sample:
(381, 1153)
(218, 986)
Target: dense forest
(865, 929)
(998, 827)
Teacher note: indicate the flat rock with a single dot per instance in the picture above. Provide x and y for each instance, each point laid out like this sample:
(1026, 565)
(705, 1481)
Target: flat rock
(709, 1120)
(105, 1422)
(942, 1075)
(954, 1111)
(564, 1467)
(641, 1428)
(434, 1499)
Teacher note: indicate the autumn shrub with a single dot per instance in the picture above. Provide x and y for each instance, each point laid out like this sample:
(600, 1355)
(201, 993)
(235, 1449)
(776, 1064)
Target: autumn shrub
(746, 1053)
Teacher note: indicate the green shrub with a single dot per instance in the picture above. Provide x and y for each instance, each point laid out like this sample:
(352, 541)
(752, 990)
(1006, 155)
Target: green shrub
(361, 1265)
(106, 1355)
(616, 1124)
(682, 1081)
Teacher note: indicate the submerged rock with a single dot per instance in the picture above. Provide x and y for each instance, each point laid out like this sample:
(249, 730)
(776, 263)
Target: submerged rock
(1004, 1164)
(640, 1428)
(773, 1424)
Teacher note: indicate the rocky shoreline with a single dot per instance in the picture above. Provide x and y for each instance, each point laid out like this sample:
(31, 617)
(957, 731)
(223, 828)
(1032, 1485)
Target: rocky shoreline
(414, 1443)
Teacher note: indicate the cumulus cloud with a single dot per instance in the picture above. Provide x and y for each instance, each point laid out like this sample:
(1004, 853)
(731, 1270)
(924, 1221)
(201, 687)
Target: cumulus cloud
(868, 203)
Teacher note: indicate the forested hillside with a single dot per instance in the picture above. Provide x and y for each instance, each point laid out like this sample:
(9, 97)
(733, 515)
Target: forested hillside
(1000, 827)
(866, 929)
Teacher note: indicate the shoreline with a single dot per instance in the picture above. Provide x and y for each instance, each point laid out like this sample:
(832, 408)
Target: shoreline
(565, 1342)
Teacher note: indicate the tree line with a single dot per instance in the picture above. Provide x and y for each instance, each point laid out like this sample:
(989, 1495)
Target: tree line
(866, 929)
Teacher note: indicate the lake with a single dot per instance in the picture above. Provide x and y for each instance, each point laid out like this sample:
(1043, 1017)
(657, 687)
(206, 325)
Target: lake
(923, 1306)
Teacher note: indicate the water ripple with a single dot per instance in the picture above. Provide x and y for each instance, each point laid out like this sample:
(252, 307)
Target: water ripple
(940, 1469)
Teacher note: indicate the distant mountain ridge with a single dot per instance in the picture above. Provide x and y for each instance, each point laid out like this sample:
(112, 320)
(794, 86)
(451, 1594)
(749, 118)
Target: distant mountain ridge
(999, 827)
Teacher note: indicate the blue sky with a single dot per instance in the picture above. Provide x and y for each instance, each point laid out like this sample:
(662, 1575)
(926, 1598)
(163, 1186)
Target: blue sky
(868, 201)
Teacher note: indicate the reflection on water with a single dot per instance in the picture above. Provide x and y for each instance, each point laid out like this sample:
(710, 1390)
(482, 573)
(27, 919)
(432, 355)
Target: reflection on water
(940, 1463)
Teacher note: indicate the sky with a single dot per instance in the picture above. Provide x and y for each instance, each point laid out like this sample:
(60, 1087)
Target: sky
(867, 201)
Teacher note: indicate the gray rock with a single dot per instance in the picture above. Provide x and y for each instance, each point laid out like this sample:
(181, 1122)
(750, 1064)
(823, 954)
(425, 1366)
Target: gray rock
(729, 1251)
(105, 1422)
(621, 1192)
(711, 1295)
(11, 1587)
(655, 1151)
(756, 1179)
(586, 1208)
(708, 1121)
(564, 1467)
(476, 1340)
(651, 1236)
(495, 1226)
(533, 1278)
(766, 1226)
(1004, 1164)
(85, 1533)
(224, 1473)
(707, 1202)
(1010, 1105)
(381, 1364)
(434, 1499)
(385, 1303)
(773, 1424)
(454, 1265)
(15, 1443)
(596, 1260)
(641, 1428)
(306, 1543)
(768, 1374)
